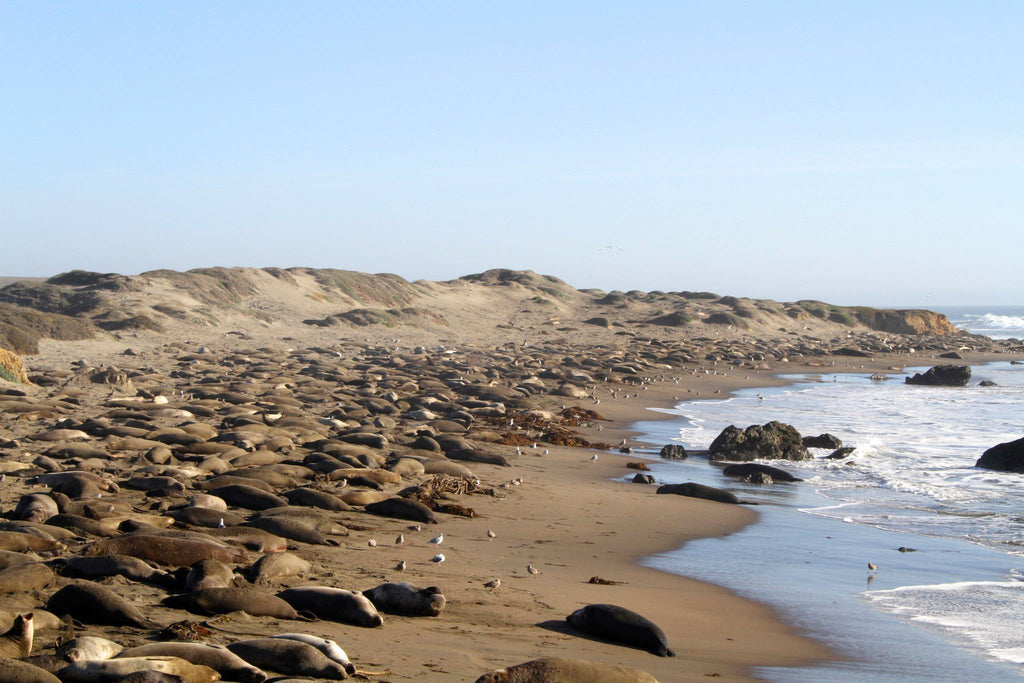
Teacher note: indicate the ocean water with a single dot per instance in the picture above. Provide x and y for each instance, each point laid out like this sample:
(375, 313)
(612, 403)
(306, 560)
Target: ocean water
(952, 608)
(998, 322)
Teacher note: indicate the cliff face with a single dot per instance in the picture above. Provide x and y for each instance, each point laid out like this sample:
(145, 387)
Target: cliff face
(908, 321)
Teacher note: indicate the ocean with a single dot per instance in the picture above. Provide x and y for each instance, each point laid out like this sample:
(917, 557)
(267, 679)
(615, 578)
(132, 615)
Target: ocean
(946, 602)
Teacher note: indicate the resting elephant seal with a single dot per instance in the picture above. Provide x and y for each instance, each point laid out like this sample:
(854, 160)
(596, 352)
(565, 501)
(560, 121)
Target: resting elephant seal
(35, 507)
(224, 600)
(403, 508)
(209, 574)
(330, 648)
(25, 577)
(288, 657)
(115, 565)
(165, 550)
(17, 642)
(559, 670)
(405, 598)
(292, 529)
(693, 490)
(99, 671)
(334, 604)
(15, 671)
(230, 666)
(621, 625)
(88, 649)
(278, 565)
(94, 604)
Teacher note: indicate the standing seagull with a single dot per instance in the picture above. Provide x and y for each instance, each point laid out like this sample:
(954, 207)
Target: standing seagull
(593, 458)
(400, 567)
(493, 585)
(491, 535)
(400, 540)
(437, 540)
(531, 570)
(439, 558)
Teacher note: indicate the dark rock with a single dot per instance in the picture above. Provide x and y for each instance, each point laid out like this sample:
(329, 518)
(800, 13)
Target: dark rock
(626, 450)
(673, 451)
(951, 354)
(599, 322)
(693, 490)
(1004, 457)
(943, 376)
(771, 441)
(641, 478)
(749, 468)
(822, 441)
(904, 549)
(840, 453)
(987, 383)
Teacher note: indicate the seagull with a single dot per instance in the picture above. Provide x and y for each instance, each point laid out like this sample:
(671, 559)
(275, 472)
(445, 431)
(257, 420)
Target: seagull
(400, 567)
(593, 458)
(546, 451)
(372, 543)
(531, 570)
(220, 524)
(493, 585)
(437, 540)
(491, 534)
(439, 558)
(400, 540)
(415, 527)
(871, 567)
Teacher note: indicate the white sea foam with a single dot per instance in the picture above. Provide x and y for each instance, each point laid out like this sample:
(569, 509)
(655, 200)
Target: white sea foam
(983, 613)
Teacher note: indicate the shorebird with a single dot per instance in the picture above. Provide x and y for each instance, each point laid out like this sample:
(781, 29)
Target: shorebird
(415, 527)
(871, 567)
(439, 558)
(531, 570)
(400, 567)
(491, 535)
(400, 540)
(372, 543)
(546, 451)
(220, 524)
(593, 458)
(493, 585)
(437, 540)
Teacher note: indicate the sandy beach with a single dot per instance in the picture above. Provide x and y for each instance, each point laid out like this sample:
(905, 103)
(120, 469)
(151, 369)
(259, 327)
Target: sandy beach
(555, 508)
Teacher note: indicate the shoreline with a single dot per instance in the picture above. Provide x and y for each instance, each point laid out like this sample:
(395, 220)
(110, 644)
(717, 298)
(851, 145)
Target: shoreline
(571, 520)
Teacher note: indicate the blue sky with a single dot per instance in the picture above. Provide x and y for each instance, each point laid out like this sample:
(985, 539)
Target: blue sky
(860, 153)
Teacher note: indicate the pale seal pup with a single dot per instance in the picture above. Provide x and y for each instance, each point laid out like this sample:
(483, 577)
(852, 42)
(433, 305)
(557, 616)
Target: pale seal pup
(17, 642)
(87, 649)
(222, 660)
(330, 648)
(560, 670)
(334, 604)
(278, 565)
(94, 604)
(405, 598)
(97, 671)
(289, 657)
(621, 625)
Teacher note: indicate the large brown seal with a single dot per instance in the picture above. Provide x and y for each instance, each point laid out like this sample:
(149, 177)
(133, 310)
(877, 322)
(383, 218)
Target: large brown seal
(209, 574)
(292, 529)
(334, 604)
(230, 666)
(15, 671)
(99, 671)
(17, 642)
(94, 604)
(402, 508)
(166, 550)
(25, 577)
(405, 598)
(127, 566)
(621, 625)
(288, 657)
(224, 600)
(277, 566)
(559, 670)
(88, 648)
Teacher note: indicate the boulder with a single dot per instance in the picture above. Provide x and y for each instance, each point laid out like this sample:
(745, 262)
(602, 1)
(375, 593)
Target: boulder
(641, 478)
(771, 441)
(1004, 457)
(822, 441)
(840, 453)
(692, 490)
(748, 469)
(987, 383)
(673, 451)
(943, 376)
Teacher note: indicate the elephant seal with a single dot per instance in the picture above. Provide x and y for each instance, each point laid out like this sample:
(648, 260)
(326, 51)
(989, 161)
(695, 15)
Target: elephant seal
(224, 600)
(405, 598)
(277, 566)
(25, 577)
(250, 538)
(621, 625)
(288, 657)
(402, 508)
(748, 468)
(88, 649)
(693, 490)
(209, 574)
(334, 604)
(248, 497)
(99, 671)
(17, 642)
(330, 648)
(80, 524)
(222, 660)
(292, 529)
(94, 604)
(316, 499)
(166, 550)
(20, 543)
(35, 507)
(16, 671)
(205, 500)
(150, 676)
(200, 516)
(560, 670)
(129, 567)
(9, 558)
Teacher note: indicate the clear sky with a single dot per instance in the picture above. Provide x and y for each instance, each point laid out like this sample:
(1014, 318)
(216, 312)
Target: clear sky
(856, 152)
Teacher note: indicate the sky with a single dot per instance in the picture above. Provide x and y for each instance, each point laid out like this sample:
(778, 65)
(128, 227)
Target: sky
(859, 153)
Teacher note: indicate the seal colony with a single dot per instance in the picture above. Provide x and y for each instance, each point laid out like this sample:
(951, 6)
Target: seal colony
(221, 504)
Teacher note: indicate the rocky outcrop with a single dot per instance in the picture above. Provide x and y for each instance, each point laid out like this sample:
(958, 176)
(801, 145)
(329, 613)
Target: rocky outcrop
(822, 441)
(905, 321)
(672, 451)
(771, 441)
(943, 376)
(692, 490)
(1004, 457)
(11, 368)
